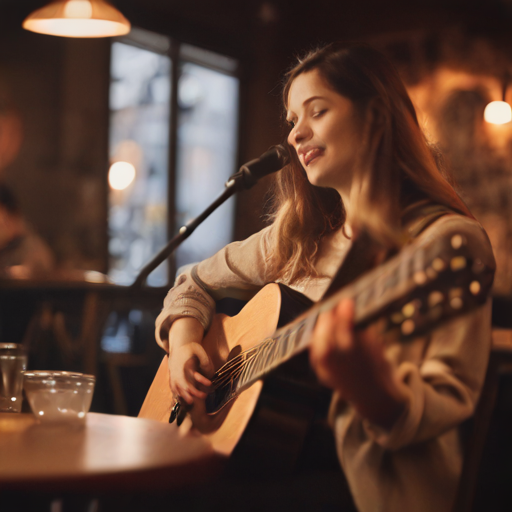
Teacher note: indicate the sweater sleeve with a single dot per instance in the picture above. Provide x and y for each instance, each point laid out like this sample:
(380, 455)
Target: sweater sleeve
(239, 270)
(444, 388)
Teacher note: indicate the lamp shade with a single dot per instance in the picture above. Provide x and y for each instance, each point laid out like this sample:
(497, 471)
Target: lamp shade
(78, 18)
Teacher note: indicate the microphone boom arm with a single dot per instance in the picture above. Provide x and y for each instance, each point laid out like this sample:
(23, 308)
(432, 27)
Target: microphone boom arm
(245, 178)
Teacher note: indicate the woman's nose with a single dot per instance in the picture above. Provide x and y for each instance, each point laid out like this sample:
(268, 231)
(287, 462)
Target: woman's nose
(298, 133)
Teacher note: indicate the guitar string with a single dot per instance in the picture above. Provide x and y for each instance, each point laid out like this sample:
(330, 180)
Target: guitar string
(257, 360)
(271, 353)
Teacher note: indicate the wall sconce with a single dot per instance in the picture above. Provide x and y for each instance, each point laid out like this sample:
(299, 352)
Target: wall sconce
(78, 18)
(499, 112)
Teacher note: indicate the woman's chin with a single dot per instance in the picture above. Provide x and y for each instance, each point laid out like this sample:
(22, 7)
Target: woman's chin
(313, 176)
(317, 180)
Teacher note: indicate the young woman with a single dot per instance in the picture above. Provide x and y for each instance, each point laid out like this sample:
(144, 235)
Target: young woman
(360, 164)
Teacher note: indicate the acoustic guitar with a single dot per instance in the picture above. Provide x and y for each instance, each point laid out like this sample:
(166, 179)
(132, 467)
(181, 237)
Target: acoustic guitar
(431, 280)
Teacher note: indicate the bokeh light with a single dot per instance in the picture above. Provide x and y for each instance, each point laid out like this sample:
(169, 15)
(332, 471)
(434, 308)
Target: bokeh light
(498, 112)
(121, 175)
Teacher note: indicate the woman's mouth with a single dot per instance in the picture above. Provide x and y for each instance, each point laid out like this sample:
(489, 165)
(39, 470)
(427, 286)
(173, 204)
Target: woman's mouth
(311, 155)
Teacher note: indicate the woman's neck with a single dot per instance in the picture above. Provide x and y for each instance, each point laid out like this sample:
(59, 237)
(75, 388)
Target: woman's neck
(348, 197)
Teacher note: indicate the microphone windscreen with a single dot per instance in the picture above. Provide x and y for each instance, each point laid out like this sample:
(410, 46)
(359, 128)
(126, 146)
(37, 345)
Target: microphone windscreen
(269, 162)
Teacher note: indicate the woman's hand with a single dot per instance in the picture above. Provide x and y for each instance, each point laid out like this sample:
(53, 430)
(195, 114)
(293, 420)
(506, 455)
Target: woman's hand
(187, 358)
(355, 366)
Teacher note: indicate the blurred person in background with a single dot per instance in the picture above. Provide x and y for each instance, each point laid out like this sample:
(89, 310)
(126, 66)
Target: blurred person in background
(23, 253)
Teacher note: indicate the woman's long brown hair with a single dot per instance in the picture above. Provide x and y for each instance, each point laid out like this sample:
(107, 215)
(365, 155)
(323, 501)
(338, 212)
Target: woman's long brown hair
(403, 168)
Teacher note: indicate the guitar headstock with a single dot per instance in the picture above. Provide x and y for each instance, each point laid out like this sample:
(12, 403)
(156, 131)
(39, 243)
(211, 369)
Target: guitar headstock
(451, 275)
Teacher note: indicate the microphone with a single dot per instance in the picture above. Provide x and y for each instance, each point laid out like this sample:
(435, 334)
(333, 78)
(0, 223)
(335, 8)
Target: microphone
(269, 162)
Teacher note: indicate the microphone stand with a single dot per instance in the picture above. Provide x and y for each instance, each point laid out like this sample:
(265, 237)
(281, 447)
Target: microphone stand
(243, 179)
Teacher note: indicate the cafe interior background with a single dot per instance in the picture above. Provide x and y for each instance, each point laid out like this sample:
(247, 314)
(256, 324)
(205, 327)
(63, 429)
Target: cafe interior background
(172, 110)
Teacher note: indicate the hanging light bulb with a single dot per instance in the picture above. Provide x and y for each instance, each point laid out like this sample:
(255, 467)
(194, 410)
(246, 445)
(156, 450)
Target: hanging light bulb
(78, 18)
(499, 112)
(121, 175)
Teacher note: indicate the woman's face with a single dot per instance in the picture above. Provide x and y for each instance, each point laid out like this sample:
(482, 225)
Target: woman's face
(327, 131)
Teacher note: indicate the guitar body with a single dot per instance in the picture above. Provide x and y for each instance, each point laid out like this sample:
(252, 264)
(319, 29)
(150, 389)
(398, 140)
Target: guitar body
(257, 320)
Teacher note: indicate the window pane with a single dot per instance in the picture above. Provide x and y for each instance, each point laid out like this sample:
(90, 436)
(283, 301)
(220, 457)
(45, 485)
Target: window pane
(207, 139)
(139, 135)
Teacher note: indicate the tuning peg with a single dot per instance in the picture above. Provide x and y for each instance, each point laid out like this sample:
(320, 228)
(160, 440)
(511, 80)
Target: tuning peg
(438, 265)
(456, 303)
(420, 278)
(408, 327)
(475, 287)
(435, 298)
(457, 241)
(410, 308)
(458, 263)
(456, 295)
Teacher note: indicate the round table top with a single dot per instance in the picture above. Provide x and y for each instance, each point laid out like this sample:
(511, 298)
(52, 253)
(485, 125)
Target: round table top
(107, 452)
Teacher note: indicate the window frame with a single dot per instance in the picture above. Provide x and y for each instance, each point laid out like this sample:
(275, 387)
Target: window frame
(180, 52)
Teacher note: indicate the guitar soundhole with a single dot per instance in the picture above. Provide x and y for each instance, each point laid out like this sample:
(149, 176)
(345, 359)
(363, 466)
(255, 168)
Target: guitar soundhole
(217, 399)
(224, 382)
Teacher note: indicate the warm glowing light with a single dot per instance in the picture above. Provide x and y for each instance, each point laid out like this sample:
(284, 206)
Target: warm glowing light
(78, 9)
(78, 18)
(498, 112)
(121, 175)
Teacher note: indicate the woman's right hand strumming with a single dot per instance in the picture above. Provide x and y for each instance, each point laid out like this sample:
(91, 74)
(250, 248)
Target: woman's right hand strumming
(189, 364)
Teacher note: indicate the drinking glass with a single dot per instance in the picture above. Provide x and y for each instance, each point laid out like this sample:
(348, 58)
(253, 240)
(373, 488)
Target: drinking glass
(13, 362)
(59, 397)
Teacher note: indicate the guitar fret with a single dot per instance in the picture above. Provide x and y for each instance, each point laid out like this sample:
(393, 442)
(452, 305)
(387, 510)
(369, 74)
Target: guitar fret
(272, 352)
(249, 369)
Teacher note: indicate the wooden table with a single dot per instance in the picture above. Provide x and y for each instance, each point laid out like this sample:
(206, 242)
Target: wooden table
(108, 453)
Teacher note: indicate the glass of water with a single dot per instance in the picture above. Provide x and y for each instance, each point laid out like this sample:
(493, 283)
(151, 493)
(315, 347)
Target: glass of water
(13, 362)
(59, 397)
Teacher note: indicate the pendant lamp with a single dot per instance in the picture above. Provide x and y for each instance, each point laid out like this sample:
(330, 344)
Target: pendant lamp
(78, 18)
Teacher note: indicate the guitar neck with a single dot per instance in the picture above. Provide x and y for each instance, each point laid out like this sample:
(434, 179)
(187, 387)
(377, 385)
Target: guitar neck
(429, 281)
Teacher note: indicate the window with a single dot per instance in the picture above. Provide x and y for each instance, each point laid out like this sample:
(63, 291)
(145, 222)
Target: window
(142, 104)
(207, 143)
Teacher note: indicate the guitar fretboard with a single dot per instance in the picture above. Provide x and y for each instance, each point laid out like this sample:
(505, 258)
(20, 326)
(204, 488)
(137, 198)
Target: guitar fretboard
(428, 281)
(368, 293)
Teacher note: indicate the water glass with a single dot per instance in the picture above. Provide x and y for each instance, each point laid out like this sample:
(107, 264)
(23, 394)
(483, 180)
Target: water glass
(59, 397)
(13, 362)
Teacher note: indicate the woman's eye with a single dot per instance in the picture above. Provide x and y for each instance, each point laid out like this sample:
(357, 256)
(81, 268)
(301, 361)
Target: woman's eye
(291, 124)
(319, 113)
